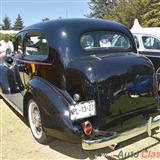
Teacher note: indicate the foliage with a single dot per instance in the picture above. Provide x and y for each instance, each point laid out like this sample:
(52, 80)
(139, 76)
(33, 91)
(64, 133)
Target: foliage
(100, 8)
(152, 16)
(18, 25)
(1, 36)
(6, 23)
(125, 11)
(13, 37)
(45, 19)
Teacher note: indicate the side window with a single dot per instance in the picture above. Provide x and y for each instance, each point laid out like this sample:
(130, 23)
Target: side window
(36, 45)
(151, 42)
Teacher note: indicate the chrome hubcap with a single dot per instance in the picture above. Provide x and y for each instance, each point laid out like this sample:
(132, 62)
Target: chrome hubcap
(35, 120)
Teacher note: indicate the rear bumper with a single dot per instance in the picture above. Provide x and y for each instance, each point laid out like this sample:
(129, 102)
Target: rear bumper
(108, 141)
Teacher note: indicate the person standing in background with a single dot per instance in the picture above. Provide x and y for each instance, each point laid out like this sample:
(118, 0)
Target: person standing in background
(5, 44)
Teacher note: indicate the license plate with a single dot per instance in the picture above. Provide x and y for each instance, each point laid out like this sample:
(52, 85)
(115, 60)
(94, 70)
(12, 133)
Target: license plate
(82, 110)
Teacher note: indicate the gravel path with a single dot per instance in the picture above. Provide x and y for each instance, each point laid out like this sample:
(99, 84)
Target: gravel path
(17, 143)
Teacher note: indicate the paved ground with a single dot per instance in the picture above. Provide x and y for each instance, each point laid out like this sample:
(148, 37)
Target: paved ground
(17, 143)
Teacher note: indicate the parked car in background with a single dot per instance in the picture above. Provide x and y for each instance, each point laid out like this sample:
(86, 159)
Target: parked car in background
(148, 42)
(81, 80)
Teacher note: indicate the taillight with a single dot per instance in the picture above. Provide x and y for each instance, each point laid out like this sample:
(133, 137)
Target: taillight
(87, 127)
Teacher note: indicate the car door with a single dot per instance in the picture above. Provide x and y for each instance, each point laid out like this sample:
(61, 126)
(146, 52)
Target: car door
(34, 57)
(30, 54)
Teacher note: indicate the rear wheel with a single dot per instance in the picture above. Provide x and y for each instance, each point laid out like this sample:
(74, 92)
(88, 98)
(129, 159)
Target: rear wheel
(34, 118)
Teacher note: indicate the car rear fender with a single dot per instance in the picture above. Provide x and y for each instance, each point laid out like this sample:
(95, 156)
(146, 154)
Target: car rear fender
(53, 104)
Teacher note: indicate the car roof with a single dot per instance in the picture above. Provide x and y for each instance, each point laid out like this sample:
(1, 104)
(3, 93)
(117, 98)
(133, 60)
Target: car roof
(78, 23)
(64, 35)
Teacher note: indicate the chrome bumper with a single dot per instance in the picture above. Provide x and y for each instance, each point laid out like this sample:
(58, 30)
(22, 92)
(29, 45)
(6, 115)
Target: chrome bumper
(108, 141)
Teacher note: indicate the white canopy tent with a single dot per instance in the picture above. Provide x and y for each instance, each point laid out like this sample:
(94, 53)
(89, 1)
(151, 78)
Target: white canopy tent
(137, 28)
(8, 32)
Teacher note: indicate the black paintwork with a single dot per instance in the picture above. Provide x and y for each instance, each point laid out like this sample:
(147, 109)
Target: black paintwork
(121, 82)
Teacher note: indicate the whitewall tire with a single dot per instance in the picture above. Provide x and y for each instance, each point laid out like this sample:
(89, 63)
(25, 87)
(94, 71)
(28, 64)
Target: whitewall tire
(35, 122)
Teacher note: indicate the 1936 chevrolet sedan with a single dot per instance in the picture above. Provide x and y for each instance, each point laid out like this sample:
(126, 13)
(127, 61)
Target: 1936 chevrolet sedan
(81, 80)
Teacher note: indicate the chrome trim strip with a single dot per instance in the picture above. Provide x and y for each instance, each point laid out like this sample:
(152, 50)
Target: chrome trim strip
(33, 62)
(148, 55)
(149, 131)
(13, 105)
(108, 141)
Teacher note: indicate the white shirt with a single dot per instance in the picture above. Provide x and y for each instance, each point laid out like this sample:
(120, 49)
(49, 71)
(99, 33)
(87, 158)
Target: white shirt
(5, 45)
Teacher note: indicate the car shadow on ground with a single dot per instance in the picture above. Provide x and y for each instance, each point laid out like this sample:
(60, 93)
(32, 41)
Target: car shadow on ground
(75, 150)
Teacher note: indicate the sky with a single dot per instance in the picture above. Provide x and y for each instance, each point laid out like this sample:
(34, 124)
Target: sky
(33, 11)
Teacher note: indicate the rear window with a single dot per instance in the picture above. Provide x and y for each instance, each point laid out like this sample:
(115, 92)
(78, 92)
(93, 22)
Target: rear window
(104, 39)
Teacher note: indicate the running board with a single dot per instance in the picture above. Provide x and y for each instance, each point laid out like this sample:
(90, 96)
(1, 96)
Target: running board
(5, 97)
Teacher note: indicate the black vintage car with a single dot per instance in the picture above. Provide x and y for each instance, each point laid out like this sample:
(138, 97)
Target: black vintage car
(81, 80)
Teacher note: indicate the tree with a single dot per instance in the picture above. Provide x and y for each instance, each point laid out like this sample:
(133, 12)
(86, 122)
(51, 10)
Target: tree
(6, 25)
(125, 11)
(100, 8)
(18, 25)
(152, 16)
(45, 19)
